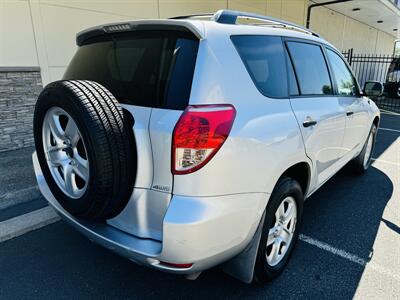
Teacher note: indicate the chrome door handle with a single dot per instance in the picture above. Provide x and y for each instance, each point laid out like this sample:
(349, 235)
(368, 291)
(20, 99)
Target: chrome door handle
(309, 122)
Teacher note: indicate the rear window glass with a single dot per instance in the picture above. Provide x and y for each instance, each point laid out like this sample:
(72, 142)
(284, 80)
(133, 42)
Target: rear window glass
(148, 68)
(264, 58)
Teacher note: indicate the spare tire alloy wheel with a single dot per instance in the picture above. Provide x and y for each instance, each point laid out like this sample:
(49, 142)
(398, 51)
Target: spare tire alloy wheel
(86, 148)
(66, 153)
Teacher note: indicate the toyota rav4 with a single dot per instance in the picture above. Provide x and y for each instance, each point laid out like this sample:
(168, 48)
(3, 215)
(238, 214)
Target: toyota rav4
(191, 142)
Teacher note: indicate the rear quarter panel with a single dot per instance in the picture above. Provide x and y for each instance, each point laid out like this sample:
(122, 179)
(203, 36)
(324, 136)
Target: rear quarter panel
(265, 139)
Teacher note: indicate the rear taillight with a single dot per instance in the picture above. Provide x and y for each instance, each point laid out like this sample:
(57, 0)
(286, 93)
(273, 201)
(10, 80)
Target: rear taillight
(198, 135)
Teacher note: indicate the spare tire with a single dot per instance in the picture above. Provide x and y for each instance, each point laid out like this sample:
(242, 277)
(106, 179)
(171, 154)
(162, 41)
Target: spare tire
(86, 148)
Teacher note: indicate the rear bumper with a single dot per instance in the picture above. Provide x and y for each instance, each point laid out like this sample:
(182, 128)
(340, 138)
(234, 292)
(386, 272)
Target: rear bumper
(203, 231)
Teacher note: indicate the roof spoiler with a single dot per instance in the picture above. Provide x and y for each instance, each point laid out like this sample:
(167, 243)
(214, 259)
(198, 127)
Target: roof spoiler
(177, 25)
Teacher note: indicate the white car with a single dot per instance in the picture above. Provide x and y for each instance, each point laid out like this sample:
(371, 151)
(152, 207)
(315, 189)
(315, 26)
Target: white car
(187, 143)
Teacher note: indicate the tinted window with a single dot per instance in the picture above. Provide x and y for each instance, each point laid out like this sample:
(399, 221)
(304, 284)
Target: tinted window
(393, 74)
(311, 70)
(344, 79)
(395, 65)
(264, 59)
(147, 68)
(293, 87)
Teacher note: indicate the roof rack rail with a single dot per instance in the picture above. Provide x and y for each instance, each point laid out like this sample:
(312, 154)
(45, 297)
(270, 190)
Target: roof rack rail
(199, 16)
(226, 16)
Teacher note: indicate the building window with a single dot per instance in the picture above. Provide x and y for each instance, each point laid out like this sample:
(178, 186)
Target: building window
(397, 47)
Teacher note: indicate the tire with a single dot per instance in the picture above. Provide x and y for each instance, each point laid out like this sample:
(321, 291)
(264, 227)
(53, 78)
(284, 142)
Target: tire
(361, 163)
(90, 162)
(267, 269)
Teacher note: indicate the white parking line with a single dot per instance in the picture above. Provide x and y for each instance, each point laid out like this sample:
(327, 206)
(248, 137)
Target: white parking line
(348, 256)
(386, 112)
(389, 129)
(17, 197)
(386, 162)
(20, 225)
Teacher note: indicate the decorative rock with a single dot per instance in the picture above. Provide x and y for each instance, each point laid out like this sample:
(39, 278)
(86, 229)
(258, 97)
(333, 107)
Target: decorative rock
(18, 94)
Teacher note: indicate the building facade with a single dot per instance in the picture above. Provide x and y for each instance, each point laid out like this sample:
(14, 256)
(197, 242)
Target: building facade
(37, 37)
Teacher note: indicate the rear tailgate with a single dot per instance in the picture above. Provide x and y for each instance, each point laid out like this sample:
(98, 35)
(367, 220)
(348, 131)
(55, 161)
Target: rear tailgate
(150, 73)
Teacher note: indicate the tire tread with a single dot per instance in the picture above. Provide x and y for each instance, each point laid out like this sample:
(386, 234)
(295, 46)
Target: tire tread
(111, 133)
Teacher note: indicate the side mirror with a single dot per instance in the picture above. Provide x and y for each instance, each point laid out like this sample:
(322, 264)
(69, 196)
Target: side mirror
(373, 89)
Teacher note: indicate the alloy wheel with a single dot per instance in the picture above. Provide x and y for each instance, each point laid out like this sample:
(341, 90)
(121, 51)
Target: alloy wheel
(281, 233)
(65, 152)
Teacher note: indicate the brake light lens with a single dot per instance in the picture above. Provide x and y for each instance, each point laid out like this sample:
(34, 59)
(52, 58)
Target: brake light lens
(199, 134)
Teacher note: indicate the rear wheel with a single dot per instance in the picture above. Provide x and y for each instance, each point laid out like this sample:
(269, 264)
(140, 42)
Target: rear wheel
(280, 229)
(85, 146)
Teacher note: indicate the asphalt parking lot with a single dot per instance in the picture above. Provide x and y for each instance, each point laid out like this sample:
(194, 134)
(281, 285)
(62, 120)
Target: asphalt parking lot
(349, 247)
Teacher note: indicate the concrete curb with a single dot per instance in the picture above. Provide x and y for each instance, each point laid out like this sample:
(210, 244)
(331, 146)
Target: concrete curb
(22, 224)
(17, 197)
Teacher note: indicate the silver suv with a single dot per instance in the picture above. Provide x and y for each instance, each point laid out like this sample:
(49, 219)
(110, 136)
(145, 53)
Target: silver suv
(187, 143)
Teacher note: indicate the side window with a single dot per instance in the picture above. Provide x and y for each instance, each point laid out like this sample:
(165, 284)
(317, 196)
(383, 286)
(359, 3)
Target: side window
(311, 69)
(293, 87)
(345, 81)
(264, 58)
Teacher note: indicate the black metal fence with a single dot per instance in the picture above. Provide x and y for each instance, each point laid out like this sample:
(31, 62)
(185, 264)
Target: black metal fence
(382, 68)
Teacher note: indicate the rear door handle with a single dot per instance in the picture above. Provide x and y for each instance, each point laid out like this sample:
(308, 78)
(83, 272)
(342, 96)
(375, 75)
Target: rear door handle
(349, 113)
(309, 122)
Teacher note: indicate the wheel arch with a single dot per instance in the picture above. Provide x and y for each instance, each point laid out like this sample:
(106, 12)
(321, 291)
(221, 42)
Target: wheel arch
(301, 172)
(376, 121)
(242, 265)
